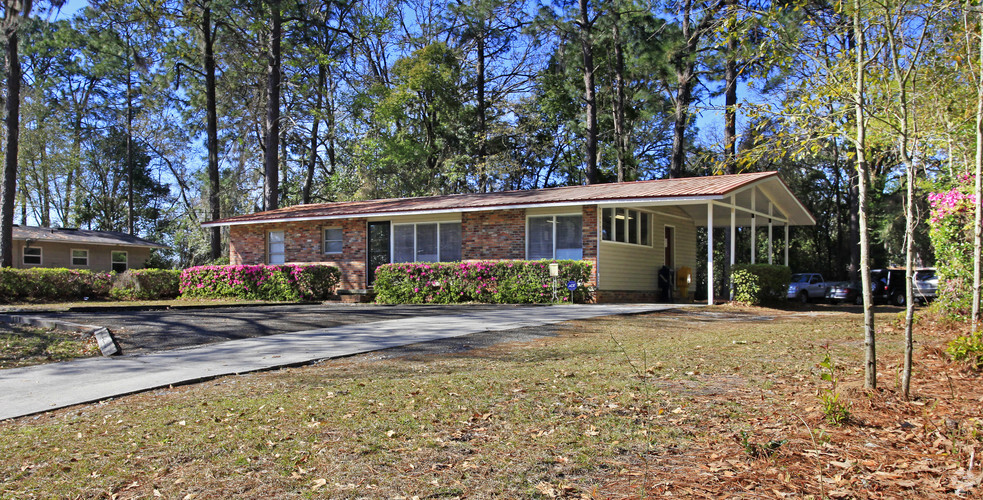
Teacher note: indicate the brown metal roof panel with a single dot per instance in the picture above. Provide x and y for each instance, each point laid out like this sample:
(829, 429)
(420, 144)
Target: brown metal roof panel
(665, 188)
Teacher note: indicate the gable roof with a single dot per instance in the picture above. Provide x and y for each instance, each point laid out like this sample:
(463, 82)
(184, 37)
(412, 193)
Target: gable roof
(81, 237)
(663, 190)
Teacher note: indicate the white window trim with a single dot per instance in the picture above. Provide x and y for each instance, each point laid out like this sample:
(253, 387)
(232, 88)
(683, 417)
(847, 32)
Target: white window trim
(113, 262)
(600, 232)
(71, 256)
(284, 244)
(566, 214)
(40, 256)
(324, 240)
(392, 238)
(675, 256)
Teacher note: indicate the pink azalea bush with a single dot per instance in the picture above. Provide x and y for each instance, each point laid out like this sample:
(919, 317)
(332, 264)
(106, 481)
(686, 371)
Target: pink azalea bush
(499, 282)
(288, 282)
(951, 232)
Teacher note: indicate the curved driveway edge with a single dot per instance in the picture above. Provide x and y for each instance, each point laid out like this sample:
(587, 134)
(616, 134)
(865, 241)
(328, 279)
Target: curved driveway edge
(34, 389)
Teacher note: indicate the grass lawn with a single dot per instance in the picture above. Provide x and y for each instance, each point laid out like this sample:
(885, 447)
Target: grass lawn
(718, 402)
(25, 346)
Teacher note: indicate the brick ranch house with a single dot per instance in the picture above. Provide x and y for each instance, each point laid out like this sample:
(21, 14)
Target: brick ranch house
(628, 230)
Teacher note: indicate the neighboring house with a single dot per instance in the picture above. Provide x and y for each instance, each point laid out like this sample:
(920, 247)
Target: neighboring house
(629, 230)
(79, 249)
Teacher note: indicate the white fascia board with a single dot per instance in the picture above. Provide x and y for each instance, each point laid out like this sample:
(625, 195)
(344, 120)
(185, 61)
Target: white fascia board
(690, 200)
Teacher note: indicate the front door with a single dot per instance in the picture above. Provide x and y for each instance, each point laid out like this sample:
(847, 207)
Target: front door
(379, 248)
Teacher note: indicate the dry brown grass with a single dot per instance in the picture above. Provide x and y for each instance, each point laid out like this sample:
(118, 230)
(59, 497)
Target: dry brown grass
(709, 403)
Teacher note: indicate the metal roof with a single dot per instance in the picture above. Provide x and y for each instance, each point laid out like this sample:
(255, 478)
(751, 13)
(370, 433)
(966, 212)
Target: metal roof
(81, 236)
(657, 191)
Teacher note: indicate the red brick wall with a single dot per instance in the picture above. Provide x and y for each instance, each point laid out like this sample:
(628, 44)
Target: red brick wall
(303, 242)
(590, 238)
(494, 235)
(491, 235)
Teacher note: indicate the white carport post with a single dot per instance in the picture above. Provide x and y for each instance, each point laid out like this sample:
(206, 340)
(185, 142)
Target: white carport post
(771, 252)
(733, 231)
(786, 244)
(754, 228)
(710, 253)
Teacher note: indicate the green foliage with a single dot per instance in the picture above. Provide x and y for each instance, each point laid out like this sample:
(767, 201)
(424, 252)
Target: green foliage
(760, 283)
(951, 233)
(146, 284)
(499, 282)
(967, 348)
(759, 450)
(835, 410)
(287, 282)
(52, 284)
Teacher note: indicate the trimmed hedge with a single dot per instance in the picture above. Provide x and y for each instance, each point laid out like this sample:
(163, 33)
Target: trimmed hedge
(146, 284)
(52, 284)
(287, 282)
(760, 283)
(497, 282)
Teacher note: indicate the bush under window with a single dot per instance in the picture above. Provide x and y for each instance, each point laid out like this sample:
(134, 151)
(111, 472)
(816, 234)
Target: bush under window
(285, 282)
(498, 282)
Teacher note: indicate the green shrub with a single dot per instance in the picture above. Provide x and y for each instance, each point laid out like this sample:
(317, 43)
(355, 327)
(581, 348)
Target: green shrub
(52, 284)
(146, 284)
(950, 229)
(967, 348)
(282, 283)
(760, 283)
(498, 282)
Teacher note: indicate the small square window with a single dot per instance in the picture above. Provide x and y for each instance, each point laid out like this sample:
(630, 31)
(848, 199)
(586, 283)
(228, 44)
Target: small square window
(32, 256)
(333, 242)
(119, 261)
(80, 257)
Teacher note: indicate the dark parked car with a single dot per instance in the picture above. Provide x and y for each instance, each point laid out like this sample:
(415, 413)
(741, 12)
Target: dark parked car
(851, 293)
(889, 286)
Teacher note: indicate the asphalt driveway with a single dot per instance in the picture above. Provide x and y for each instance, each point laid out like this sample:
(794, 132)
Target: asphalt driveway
(144, 331)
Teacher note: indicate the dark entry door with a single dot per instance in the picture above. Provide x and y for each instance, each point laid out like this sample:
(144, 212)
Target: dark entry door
(378, 251)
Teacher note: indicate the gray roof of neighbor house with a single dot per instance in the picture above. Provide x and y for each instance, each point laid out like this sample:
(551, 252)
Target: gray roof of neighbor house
(81, 237)
(688, 189)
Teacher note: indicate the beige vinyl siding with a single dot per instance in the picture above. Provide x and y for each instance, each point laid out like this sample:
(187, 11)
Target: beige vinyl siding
(627, 267)
(572, 210)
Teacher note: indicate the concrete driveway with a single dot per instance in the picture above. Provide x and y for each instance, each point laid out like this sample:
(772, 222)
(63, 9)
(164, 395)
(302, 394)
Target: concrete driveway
(35, 389)
(145, 331)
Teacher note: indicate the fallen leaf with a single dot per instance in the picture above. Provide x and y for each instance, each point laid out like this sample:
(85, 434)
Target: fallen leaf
(318, 483)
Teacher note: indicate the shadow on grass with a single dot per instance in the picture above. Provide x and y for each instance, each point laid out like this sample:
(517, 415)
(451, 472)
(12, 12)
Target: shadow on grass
(23, 346)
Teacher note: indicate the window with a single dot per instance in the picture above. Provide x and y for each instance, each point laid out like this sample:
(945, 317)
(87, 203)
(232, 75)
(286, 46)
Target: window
(119, 261)
(429, 242)
(333, 242)
(32, 256)
(275, 248)
(626, 226)
(555, 237)
(80, 257)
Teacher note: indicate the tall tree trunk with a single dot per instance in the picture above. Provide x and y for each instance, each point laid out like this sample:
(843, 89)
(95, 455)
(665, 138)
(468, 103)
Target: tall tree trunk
(211, 128)
(870, 344)
(684, 95)
(590, 97)
(978, 192)
(620, 139)
(12, 122)
(271, 190)
(129, 135)
(482, 106)
(730, 97)
(312, 161)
